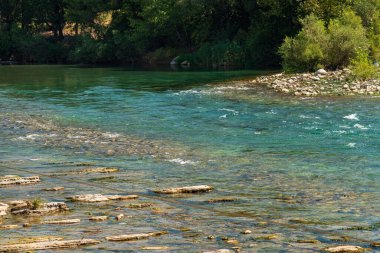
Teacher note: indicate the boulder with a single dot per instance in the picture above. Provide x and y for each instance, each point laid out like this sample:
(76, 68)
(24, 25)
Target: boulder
(174, 61)
(321, 72)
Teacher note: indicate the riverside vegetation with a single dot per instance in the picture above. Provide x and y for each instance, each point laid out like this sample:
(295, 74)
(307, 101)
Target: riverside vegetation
(300, 35)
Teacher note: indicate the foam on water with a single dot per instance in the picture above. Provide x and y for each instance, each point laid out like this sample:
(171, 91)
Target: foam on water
(183, 162)
(352, 117)
(361, 127)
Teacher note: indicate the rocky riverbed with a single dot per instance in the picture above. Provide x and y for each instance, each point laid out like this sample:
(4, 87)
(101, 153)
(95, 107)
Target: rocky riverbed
(320, 83)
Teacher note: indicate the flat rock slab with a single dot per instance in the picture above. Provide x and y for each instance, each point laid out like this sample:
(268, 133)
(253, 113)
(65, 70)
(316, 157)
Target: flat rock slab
(98, 218)
(186, 189)
(54, 189)
(45, 208)
(47, 245)
(220, 251)
(155, 248)
(134, 237)
(6, 227)
(221, 200)
(25, 240)
(62, 222)
(98, 170)
(345, 249)
(16, 180)
(100, 198)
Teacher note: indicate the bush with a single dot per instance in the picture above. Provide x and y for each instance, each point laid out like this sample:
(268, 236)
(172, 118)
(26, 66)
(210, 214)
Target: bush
(346, 36)
(362, 67)
(332, 47)
(306, 50)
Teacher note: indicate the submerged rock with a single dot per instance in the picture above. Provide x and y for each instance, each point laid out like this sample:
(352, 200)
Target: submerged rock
(308, 241)
(29, 208)
(98, 170)
(54, 189)
(134, 237)
(10, 180)
(268, 237)
(61, 222)
(46, 245)
(225, 199)
(140, 205)
(186, 189)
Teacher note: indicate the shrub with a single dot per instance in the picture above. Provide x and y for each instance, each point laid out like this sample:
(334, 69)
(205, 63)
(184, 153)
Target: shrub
(362, 67)
(346, 36)
(305, 51)
(316, 46)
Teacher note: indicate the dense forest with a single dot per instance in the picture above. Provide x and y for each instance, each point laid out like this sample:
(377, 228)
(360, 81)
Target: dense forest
(300, 34)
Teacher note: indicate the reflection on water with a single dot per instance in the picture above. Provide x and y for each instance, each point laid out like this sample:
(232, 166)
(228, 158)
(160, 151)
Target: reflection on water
(299, 169)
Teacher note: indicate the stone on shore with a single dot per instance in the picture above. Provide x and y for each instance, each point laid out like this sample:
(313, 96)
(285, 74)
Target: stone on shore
(6, 227)
(220, 251)
(22, 247)
(321, 72)
(54, 189)
(155, 248)
(321, 83)
(345, 249)
(11, 180)
(100, 198)
(3, 209)
(62, 222)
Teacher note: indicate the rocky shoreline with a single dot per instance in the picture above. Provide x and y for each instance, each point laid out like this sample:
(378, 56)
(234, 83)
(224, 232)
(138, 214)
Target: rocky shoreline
(320, 83)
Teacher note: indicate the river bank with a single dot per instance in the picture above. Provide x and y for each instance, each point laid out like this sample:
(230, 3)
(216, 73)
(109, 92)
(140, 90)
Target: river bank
(320, 83)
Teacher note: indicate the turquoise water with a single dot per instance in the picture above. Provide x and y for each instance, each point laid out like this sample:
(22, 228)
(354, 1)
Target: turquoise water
(300, 168)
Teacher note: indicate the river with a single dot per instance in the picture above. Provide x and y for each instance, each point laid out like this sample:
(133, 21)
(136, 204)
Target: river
(298, 168)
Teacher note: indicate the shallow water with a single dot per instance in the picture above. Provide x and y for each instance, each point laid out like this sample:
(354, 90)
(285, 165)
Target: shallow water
(300, 168)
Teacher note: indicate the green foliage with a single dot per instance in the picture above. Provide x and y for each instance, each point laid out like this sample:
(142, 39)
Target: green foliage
(333, 47)
(218, 54)
(37, 203)
(314, 33)
(306, 50)
(362, 68)
(346, 36)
